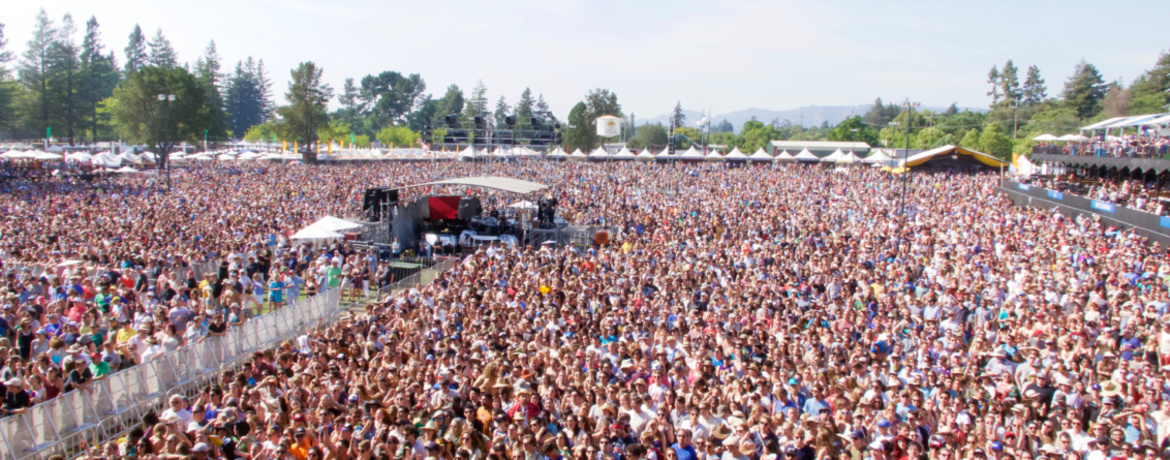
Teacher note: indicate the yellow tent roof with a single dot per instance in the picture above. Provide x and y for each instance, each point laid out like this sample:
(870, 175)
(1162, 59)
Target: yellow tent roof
(953, 150)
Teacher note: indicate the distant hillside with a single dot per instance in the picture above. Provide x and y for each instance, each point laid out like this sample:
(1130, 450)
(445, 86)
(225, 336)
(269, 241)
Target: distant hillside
(813, 115)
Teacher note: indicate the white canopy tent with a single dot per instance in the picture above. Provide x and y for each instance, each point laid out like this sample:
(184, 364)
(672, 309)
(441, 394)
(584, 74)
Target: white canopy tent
(523, 204)
(1022, 167)
(691, 154)
(736, 155)
(878, 157)
(806, 155)
(645, 155)
(1073, 138)
(599, 154)
(558, 153)
(468, 152)
(578, 155)
(624, 154)
(108, 160)
(327, 227)
(714, 156)
(1045, 138)
(761, 155)
(315, 233)
(833, 157)
(79, 156)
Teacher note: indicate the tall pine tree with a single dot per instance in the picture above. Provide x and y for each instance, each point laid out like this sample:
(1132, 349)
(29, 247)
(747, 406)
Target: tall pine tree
(207, 73)
(99, 75)
(35, 69)
(1034, 89)
(523, 109)
(993, 80)
(63, 82)
(246, 101)
(162, 54)
(8, 112)
(502, 111)
(136, 51)
(1009, 82)
(1085, 90)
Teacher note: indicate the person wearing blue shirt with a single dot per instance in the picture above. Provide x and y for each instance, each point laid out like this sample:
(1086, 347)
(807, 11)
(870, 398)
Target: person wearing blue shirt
(683, 448)
(816, 404)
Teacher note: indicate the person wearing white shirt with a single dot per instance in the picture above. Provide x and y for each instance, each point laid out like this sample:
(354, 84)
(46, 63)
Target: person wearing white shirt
(177, 411)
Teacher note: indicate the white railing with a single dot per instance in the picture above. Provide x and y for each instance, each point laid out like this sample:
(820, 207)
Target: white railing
(67, 424)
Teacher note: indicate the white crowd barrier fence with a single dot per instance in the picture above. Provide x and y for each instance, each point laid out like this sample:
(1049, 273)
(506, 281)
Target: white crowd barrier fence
(67, 424)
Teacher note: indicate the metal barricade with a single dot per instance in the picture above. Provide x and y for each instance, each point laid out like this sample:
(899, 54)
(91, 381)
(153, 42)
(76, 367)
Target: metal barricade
(67, 424)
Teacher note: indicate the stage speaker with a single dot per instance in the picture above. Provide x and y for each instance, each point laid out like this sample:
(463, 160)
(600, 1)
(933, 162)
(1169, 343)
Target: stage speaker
(389, 196)
(372, 205)
(375, 199)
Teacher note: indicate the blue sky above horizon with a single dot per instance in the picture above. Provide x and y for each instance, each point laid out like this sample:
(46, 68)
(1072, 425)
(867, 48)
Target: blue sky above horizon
(717, 55)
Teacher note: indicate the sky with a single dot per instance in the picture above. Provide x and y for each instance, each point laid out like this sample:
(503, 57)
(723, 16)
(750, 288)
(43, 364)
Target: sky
(721, 56)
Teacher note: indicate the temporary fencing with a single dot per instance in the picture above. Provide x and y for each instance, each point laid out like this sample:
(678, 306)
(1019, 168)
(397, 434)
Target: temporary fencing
(67, 424)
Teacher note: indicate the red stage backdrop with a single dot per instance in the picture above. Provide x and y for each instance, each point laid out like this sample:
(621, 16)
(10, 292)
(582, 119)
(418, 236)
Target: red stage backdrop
(444, 207)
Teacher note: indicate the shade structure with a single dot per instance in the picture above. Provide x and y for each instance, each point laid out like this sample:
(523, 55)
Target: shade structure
(691, 154)
(578, 155)
(1045, 138)
(624, 154)
(78, 156)
(714, 156)
(523, 204)
(315, 233)
(955, 151)
(878, 156)
(761, 155)
(806, 155)
(645, 155)
(1022, 166)
(1073, 138)
(848, 158)
(736, 155)
(663, 154)
(48, 156)
(784, 156)
(108, 160)
(468, 152)
(126, 170)
(833, 157)
(557, 154)
(335, 224)
(599, 154)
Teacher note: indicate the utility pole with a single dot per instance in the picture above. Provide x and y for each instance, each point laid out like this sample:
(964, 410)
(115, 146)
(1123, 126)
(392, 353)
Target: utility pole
(166, 144)
(909, 107)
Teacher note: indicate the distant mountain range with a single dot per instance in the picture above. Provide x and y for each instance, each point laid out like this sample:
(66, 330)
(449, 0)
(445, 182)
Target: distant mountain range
(812, 115)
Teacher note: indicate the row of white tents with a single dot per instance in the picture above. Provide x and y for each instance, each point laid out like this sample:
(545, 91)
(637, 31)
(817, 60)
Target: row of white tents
(1065, 138)
(877, 156)
(111, 161)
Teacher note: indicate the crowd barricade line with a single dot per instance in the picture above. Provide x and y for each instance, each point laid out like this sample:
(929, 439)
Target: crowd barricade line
(69, 423)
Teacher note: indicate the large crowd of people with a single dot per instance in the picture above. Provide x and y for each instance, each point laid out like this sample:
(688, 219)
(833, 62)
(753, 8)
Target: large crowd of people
(1143, 195)
(741, 313)
(1147, 144)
